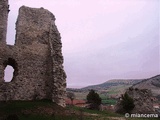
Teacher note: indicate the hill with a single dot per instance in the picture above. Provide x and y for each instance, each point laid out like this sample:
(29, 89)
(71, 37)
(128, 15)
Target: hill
(112, 89)
(113, 83)
(152, 83)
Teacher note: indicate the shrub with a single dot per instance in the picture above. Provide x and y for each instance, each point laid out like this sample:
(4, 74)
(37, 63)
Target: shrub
(94, 100)
(127, 103)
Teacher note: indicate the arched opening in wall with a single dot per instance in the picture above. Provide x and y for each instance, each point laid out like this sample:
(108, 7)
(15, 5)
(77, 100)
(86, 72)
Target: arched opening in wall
(8, 73)
(11, 70)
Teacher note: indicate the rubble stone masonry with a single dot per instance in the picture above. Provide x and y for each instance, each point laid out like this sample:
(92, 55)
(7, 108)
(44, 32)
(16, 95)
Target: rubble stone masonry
(36, 57)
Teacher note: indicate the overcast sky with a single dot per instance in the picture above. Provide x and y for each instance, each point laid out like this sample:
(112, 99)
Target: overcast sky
(102, 39)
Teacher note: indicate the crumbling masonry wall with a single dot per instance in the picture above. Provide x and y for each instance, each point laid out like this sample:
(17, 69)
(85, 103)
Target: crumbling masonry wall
(36, 57)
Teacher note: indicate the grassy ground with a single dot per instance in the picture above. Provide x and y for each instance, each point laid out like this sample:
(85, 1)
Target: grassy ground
(46, 110)
(106, 100)
(104, 97)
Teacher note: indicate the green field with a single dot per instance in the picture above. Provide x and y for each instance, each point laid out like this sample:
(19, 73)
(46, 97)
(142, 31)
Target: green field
(107, 100)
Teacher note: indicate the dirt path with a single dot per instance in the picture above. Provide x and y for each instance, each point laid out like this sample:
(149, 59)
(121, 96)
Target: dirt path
(117, 118)
(108, 118)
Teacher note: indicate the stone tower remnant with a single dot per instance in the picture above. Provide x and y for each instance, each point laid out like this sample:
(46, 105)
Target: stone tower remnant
(36, 57)
(3, 20)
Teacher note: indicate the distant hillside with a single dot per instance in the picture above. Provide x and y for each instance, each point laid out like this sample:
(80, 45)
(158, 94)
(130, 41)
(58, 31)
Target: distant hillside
(113, 83)
(152, 83)
(116, 87)
(112, 88)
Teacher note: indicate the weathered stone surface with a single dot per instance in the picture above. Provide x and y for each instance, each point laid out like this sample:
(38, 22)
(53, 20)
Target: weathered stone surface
(3, 20)
(36, 58)
(143, 101)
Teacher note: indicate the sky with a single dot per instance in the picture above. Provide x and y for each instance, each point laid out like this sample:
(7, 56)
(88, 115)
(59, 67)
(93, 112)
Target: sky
(102, 39)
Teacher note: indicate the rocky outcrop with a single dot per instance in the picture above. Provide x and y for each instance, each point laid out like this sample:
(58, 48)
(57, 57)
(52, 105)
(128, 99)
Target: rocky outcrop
(152, 83)
(143, 101)
(36, 58)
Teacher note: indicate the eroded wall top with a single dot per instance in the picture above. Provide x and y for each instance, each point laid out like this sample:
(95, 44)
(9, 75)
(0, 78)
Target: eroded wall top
(33, 25)
(4, 9)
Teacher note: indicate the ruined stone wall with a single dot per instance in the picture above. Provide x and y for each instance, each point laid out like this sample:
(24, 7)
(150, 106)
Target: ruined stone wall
(36, 58)
(3, 20)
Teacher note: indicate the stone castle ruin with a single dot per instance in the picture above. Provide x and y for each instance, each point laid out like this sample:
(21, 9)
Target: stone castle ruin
(36, 57)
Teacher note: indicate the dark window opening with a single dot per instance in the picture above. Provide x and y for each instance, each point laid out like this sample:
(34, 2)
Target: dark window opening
(11, 70)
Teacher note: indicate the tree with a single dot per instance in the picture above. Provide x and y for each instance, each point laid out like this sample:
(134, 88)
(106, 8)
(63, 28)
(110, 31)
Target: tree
(71, 96)
(127, 103)
(93, 99)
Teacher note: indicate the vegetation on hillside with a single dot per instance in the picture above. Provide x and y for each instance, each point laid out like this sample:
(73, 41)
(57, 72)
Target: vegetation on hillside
(112, 83)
